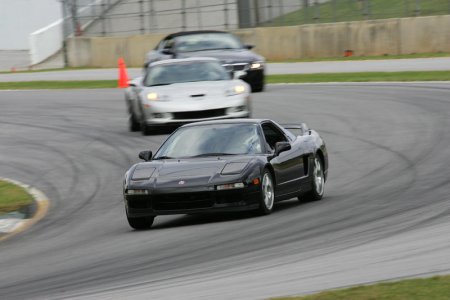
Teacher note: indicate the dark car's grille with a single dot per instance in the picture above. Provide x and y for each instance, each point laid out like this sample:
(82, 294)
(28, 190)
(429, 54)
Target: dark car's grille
(191, 200)
(202, 114)
(183, 201)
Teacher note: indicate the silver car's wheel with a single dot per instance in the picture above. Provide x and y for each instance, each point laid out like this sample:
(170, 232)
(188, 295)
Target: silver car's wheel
(267, 194)
(318, 181)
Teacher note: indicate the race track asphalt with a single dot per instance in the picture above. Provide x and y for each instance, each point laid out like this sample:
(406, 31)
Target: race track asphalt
(385, 214)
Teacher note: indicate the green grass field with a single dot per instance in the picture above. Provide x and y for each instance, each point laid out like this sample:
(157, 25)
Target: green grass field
(435, 288)
(12, 197)
(354, 10)
(289, 78)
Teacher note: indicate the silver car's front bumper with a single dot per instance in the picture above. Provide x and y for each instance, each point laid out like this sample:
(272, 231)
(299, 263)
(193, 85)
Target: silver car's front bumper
(160, 113)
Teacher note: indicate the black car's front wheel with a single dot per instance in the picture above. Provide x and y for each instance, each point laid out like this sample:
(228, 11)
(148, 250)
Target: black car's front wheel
(267, 194)
(318, 181)
(140, 223)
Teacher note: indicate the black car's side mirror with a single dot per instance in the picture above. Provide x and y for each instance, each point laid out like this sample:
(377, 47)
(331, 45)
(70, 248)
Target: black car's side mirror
(281, 147)
(249, 47)
(145, 155)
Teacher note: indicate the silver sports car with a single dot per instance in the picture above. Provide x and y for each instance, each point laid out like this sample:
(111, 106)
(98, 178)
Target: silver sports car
(178, 91)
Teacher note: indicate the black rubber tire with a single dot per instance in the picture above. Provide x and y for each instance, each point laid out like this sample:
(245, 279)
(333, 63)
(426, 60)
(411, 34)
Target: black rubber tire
(257, 88)
(141, 223)
(317, 191)
(134, 125)
(267, 186)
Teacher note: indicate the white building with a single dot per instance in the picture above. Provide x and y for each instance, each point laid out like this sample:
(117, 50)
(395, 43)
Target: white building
(19, 18)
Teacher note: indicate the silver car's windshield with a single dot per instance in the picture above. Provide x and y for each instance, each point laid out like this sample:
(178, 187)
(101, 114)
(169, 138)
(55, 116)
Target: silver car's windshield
(185, 72)
(212, 140)
(206, 41)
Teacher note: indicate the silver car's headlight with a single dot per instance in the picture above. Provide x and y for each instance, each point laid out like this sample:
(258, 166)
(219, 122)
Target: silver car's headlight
(257, 65)
(153, 96)
(236, 90)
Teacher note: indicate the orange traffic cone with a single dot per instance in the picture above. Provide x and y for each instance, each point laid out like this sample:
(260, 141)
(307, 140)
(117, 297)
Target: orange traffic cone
(123, 76)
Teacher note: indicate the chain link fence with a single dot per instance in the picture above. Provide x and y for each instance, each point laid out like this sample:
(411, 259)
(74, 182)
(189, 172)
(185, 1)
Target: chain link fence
(131, 17)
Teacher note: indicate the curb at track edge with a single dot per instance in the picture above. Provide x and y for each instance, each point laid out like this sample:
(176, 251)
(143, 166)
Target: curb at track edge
(42, 204)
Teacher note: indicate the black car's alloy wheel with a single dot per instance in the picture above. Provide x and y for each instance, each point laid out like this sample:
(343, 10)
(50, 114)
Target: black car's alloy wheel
(267, 194)
(318, 181)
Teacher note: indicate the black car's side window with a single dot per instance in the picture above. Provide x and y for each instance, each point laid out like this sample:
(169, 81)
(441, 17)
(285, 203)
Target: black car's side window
(273, 135)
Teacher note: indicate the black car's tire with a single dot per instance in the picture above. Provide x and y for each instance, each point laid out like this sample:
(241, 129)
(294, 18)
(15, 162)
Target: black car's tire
(141, 223)
(317, 181)
(258, 88)
(267, 200)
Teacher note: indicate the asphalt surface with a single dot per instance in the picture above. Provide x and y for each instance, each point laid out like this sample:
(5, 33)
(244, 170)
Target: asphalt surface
(388, 65)
(385, 214)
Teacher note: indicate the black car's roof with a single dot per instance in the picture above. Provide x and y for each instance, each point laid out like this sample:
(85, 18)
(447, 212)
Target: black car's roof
(181, 33)
(227, 121)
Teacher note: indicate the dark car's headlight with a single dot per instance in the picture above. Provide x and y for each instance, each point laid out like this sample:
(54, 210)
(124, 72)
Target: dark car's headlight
(136, 192)
(233, 168)
(230, 186)
(256, 65)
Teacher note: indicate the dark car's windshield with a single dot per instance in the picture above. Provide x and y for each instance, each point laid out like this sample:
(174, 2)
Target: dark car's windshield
(212, 140)
(207, 41)
(185, 72)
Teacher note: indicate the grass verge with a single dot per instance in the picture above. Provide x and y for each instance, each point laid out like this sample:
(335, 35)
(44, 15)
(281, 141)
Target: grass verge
(12, 197)
(344, 11)
(436, 288)
(374, 57)
(289, 78)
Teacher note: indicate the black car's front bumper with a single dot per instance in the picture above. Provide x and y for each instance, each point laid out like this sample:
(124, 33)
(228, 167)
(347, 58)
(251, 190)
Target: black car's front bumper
(200, 201)
(255, 78)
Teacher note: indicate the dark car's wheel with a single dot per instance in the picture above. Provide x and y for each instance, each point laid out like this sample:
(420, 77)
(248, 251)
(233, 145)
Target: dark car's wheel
(267, 194)
(259, 87)
(318, 181)
(141, 223)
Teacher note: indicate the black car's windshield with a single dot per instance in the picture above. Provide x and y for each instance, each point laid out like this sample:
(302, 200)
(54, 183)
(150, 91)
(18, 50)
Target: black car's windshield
(185, 72)
(212, 140)
(207, 41)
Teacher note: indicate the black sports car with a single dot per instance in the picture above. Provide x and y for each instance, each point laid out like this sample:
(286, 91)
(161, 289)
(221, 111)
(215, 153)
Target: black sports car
(221, 45)
(224, 166)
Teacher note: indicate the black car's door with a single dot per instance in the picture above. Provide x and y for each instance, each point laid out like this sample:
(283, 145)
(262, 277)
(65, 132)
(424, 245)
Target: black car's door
(288, 166)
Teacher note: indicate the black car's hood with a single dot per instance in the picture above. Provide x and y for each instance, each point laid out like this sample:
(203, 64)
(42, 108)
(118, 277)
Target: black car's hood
(186, 173)
(226, 56)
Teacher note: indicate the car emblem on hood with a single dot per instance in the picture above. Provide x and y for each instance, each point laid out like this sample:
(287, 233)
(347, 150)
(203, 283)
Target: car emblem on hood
(181, 182)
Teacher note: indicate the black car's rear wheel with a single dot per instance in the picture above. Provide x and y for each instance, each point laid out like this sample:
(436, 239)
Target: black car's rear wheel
(318, 181)
(141, 223)
(267, 194)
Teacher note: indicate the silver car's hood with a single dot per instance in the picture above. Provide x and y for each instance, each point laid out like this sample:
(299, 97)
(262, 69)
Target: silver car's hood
(195, 90)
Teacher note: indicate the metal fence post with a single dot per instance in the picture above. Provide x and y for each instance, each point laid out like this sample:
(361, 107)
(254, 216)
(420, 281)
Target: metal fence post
(141, 16)
(64, 33)
(256, 9)
(152, 16)
(305, 10)
(333, 8)
(103, 13)
(417, 10)
(225, 15)
(183, 15)
(316, 11)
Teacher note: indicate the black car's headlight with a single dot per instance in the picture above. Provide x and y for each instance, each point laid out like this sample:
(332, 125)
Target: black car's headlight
(136, 192)
(256, 65)
(230, 186)
(233, 168)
